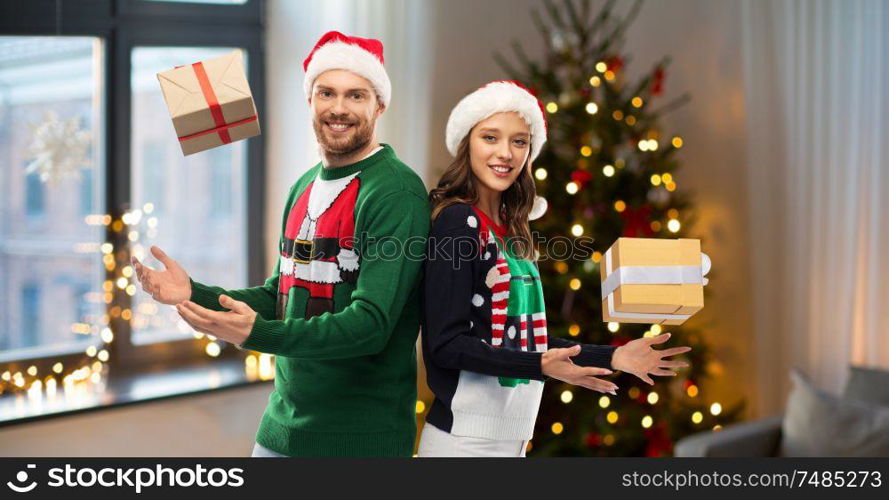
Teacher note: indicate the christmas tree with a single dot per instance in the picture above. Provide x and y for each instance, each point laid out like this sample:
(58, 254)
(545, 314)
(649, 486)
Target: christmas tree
(609, 170)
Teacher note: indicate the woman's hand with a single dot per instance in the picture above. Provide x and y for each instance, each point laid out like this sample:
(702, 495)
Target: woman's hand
(170, 286)
(637, 357)
(556, 363)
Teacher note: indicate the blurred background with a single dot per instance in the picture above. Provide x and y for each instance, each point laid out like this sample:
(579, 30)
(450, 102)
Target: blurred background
(757, 126)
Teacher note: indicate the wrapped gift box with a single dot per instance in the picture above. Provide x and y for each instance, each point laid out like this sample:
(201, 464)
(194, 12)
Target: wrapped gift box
(651, 280)
(210, 102)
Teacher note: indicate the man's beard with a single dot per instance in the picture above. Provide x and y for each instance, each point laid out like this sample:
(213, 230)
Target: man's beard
(361, 136)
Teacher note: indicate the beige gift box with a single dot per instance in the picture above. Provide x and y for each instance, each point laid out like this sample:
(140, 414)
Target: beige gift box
(653, 280)
(210, 102)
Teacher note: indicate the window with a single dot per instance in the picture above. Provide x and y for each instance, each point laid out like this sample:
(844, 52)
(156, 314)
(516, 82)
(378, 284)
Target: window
(151, 180)
(223, 193)
(64, 174)
(227, 2)
(87, 203)
(84, 301)
(51, 105)
(33, 195)
(30, 329)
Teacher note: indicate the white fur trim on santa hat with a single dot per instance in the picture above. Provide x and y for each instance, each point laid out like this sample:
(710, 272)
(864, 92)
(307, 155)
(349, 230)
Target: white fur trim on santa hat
(538, 208)
(496, 97)
(340, 55)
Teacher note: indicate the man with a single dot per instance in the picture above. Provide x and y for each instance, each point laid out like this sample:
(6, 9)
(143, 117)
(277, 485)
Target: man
(341, 310)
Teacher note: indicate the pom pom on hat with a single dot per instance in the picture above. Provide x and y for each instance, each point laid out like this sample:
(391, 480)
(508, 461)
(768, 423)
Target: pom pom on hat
(362, 56)
(497, 97)
(538, 208)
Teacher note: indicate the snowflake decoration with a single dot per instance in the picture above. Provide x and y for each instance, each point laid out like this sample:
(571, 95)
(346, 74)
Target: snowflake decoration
(59, 148)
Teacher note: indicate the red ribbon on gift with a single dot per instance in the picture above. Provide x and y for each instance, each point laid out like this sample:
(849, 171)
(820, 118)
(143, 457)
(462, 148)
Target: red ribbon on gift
(215, 109)
(222, 131)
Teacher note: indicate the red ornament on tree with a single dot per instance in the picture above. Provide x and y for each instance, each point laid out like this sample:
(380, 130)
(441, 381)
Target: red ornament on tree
(657, 86)
(593, 440)
(581, 178)
(637, 222)
(657, 443)
(614, 63)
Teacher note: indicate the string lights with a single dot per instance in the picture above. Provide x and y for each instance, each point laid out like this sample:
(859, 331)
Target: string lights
(86, 376)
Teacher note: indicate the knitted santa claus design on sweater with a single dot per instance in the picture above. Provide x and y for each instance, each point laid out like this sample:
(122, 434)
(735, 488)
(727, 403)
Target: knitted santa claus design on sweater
(318, 250)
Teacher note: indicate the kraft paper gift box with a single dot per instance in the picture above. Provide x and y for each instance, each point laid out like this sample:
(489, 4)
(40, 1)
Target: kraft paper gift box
(652, 280)
(210, 102)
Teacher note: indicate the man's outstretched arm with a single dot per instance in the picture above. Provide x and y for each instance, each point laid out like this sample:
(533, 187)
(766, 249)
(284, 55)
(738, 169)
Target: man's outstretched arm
(390, 270)
(172, 285)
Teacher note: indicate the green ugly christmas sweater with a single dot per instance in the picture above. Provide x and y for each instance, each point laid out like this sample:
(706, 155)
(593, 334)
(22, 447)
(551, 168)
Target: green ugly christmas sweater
(341, 311)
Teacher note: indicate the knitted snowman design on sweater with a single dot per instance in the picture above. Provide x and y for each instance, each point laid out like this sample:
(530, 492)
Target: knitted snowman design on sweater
(518, 318)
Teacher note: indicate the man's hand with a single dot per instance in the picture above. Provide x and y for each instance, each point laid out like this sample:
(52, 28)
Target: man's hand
(232, 326)
(557, 364)
(170, 286)
(637, 357)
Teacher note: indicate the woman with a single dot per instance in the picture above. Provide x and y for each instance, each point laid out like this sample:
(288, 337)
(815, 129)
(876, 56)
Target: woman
(485, 343)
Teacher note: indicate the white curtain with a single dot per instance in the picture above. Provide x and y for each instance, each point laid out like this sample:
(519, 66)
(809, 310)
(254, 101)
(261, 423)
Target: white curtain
(817, 97)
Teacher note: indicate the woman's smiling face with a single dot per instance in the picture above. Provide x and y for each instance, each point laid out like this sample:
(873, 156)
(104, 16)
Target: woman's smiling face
(498, 148)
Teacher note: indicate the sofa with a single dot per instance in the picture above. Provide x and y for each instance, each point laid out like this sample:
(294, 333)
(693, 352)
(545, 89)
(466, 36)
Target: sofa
(815, 423)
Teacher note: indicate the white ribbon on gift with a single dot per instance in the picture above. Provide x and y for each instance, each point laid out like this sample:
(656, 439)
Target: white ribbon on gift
(651, 275)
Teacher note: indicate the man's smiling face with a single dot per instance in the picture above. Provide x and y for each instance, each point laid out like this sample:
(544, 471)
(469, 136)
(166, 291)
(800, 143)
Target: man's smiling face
(345, 109)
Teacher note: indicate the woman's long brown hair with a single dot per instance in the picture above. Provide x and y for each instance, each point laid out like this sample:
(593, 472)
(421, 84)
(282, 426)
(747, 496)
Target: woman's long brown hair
(457, 185)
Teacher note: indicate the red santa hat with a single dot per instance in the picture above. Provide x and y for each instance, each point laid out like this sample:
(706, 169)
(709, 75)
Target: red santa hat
(496, 97)
(362, 56)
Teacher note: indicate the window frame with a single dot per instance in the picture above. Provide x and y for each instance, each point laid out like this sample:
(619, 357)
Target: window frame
(123, 25)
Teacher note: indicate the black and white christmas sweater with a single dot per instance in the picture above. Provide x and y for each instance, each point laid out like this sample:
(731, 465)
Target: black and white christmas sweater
(484, 330)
